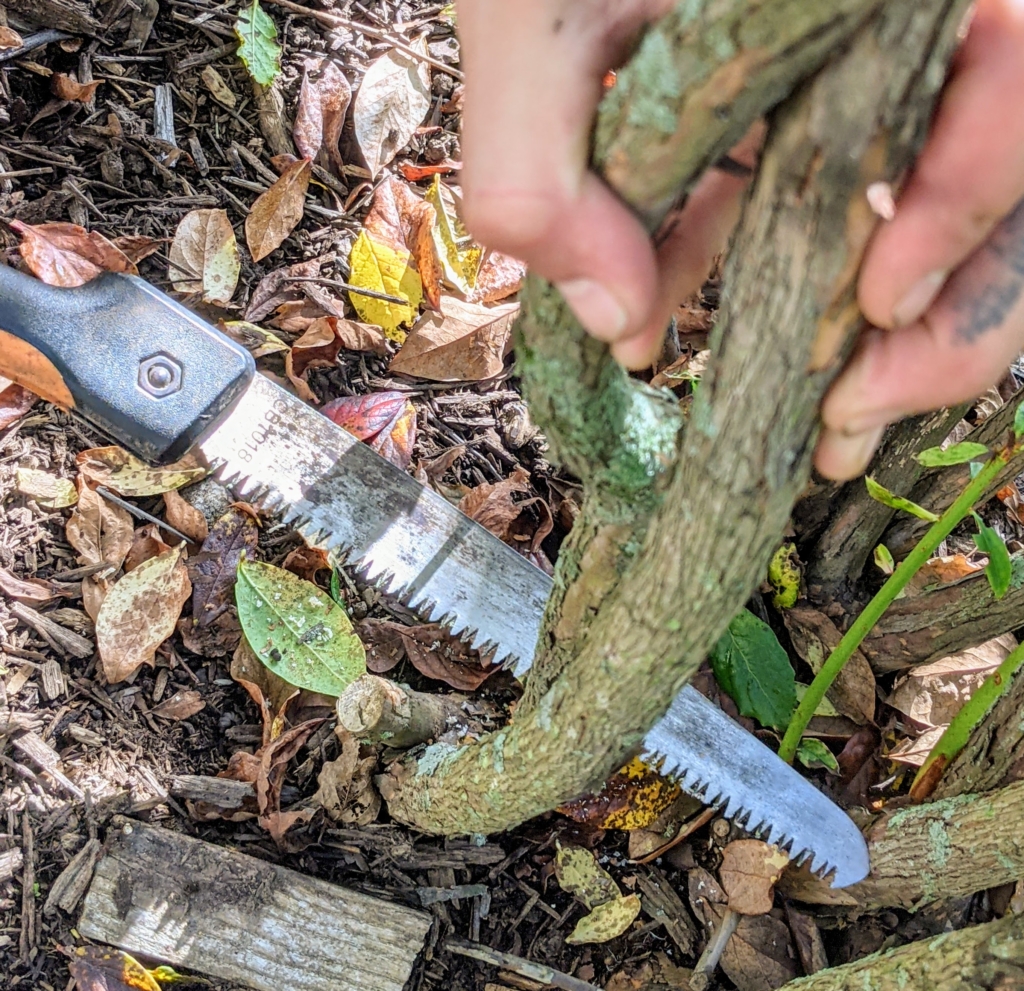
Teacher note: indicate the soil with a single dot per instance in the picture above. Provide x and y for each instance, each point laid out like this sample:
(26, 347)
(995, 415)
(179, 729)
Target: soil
(62, 164)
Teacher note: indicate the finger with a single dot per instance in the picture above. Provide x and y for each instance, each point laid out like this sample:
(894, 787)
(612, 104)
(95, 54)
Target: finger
(962, 346)
(969, 175)
(533, 80)
(699, 233)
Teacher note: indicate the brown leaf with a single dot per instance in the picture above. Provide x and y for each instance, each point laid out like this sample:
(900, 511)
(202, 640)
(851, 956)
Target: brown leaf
(316, 348)
(323, 102)
(295, 316)
(914, 751)
(277, 212)
(397, 214)
(98, 530)
(218, 87)
(436, 654)
(31, 591)
(384, 645)
(346, 791)
(384, 420)
(749, 870)
(204, 256)
(491, 504)
(274, 760)
(15, 402)
(67, 255)
(66, 87)
(9, 38)
(185, 518)
(139, 613)
(136, 247)
(146, 544)
(278, 287)
(180, 705)
(759, 956)
(814, 637)
(632, 798)
(464, 342)
(306, 562)
(944, 571)
(269, 691)
(94, 591)
(498, 277)
(214, 630)
(355, 336)
(100, 968)
(932, 694)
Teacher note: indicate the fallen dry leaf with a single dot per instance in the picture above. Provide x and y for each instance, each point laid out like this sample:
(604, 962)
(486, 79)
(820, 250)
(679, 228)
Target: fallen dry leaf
(943, 571)
(932, 694)
(213, 629)
(136, 247)
(346, 792)
(139, 613)
(218, 87)
(914, 751)
(277, 212)
(98, 530)
(318, 347)
(414, 173)
(9, 38)
(123, 473)
(384, 645)
(180, 705)
(31, 591)
(307, 562)
(66, 87)
(760, 955)
(383, 257)
(269, 691)
(384, 420)
(464, 342)
(15, 402)
(436, 654)
(393, 99)
(185, 518)
(611, 913)
(99, 968)
(323, 102)
(257, 341)
(204, 256)
(48, 491)
(67, 255)
(498, 277)
(279, 287)
(146, 544)
(632, 798)
(749, 871)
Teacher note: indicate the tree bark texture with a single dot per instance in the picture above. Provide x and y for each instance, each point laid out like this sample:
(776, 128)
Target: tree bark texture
(924, 628)
(858, 521)
(948, 848)
(670, 545)
(939, 487)
(981, 958)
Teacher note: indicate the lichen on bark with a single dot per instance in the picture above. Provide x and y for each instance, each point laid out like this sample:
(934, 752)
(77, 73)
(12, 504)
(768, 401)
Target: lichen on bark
(675, 533)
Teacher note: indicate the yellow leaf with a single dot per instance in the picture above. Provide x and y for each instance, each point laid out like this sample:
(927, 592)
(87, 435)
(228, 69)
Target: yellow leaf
(632, 798)
(458, 254)
(126, 475)
(579, 874)
(784, 577)
(48, 491)
(389, 270)
(606, 921)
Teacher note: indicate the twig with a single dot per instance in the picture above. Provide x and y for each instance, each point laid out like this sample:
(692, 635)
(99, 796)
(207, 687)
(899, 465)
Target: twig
(707, 962)
(883, 598)
(141, 513)
(337, 21)
(520, 965)
(348, 287)
(34, 41)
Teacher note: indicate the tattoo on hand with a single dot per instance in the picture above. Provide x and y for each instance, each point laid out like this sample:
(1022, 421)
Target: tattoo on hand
(990, 284)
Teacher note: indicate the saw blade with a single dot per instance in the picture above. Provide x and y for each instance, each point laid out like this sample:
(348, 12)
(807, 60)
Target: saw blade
(284, 456)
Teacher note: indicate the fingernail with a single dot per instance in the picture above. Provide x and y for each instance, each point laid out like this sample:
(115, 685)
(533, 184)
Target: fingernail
(919, 297)
(595, 307)
(850, 454)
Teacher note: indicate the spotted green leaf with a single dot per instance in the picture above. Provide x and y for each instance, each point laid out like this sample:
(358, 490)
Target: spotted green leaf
(298, 632)
(955, 454)
(814, 753)
(258, 48)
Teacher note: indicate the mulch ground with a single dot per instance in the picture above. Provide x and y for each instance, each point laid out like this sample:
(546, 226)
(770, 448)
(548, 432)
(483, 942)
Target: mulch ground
(59, 162)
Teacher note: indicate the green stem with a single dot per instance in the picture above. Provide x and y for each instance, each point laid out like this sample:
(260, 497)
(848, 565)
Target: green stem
(872, 612)
(959, 731)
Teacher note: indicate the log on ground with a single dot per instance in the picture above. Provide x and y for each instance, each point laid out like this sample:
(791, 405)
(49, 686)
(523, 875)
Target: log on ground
(228, 915)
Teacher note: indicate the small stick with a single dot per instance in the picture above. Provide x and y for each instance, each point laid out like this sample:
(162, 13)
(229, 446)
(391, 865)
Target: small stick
(34, 41)
(337, 21)
(707, 963)
(338, 284)
(141, 513)
(519, 965)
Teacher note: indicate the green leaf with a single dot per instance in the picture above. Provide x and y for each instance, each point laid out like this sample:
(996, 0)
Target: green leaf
(883, 559)
(1018, 422)
(753, 669)
(823, 708)
(955, 454)
(258, 48)
(296, 630)
(999, 569)
(814, 753)
(975, 469)
(881, 494)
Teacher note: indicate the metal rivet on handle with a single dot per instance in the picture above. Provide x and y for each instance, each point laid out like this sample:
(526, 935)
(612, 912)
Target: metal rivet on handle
(159, 375)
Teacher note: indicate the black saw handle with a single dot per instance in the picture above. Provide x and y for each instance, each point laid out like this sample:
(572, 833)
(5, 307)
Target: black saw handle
(124, 355)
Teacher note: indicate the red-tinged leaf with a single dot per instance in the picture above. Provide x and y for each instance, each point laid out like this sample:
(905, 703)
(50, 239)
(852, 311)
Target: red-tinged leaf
(66, 87)
(136, 247)
(366, 416)
(414, 173)
(396, 443)
(280, 162)
(214, 630)
(632, 798)
(318, 347)
(323, 103)
(67, 255)
(436, 654)
(277, 212)
(15, 402)
(498, 277)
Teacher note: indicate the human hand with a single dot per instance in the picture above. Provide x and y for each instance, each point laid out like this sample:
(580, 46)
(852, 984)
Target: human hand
(945, 278)
(534, 70)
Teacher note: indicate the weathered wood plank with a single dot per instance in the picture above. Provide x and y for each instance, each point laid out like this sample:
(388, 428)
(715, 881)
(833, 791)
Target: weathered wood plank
(225, 914)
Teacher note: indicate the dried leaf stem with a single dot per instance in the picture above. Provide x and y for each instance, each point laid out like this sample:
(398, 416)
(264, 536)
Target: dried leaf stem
(872, 612)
